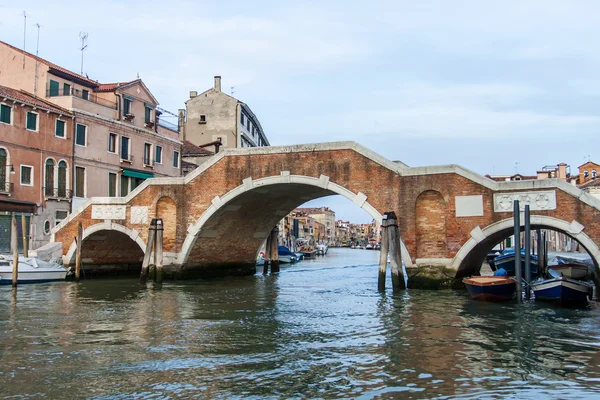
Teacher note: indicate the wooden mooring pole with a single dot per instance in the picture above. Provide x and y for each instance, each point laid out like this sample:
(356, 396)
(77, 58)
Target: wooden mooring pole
(148, 253)
(275, 250)
(14, 242)
(527, 252)
(395, 252)
(78, 243)
(158, 252)
(517, 234)
(25, 237)
(383, 253)
(267, 256)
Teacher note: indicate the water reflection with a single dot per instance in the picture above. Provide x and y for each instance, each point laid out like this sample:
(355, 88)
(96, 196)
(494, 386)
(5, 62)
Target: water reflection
(319, 329)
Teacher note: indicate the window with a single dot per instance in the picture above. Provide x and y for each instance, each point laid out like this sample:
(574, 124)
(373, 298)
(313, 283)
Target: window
(49, 181)
(203, 119)
(112, 142)
(124, 185)
(3, 162)
(53, 91)
(32, 121)
(124, 148)
(81, 134)
(66, 89)
(176, 159)
(147, 114)
(158, 155)
(46, 227)
(5, 112)
(79, 181)
(593, 174)
(127, 105)
(112, 184)
(60, 128)
(59, 216)
(62, 179)
(586, 174)
(26, 175)
(147, 154)
(85, 94)
(242, 121)
(248, 125)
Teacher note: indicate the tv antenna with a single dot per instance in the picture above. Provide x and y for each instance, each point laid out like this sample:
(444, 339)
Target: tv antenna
(232, 90)
(24, 35)
(37, 49)
(83, 36)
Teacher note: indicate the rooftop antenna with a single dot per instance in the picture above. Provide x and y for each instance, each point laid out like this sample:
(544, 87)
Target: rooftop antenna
(517, 167)
(37, 51)
(24, 35)
(232, 90)
(83, 36)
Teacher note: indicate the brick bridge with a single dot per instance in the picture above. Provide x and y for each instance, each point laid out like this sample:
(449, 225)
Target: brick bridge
(217, 217)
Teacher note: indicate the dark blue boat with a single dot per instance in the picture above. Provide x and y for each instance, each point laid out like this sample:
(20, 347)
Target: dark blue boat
(506, 260)
(491, 288)
(561, 290)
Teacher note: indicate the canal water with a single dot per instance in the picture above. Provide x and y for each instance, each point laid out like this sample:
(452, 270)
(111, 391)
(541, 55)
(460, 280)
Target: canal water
(319, 329)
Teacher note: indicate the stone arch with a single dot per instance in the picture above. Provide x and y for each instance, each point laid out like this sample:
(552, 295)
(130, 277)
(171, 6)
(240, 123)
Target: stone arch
(166, 208)
(219, 203)
(134, 235)
(430, 225)
(482, 241)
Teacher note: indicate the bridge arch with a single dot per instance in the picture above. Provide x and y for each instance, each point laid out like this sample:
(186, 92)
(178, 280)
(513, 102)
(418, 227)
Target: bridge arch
(311, 187)
(122, 233)
(473, 252)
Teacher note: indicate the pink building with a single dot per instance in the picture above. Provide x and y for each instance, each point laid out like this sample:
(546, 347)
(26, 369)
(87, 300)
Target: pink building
(117, 136)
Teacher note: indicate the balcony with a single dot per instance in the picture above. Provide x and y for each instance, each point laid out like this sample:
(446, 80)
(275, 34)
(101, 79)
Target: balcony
(52, 193)
(127, 158)
(84, 95)
(148, 162)
(6, 188)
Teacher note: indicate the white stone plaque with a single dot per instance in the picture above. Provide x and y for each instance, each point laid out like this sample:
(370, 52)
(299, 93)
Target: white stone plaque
(469, 206)
(538, 201)
(139, 215)
(108, 212)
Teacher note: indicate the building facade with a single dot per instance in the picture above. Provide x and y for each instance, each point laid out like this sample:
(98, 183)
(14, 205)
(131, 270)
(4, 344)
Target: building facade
(213, 115)
(36, 160)
(114, 131)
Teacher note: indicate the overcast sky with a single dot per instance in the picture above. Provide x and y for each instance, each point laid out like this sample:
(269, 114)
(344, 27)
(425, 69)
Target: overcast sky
(424, 82)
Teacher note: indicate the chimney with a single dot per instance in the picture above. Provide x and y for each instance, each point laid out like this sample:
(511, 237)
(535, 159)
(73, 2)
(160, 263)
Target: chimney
(193, 93)
(562, 171)
(217, 83)
(181, 122)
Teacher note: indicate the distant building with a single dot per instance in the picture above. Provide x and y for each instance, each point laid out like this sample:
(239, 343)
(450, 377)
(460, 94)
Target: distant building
(324, 216)
(192, 156)
(587, 172)
(213, 115)
(36, 160)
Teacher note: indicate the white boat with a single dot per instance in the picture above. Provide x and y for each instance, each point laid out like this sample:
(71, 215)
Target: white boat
(322, 249)
(31, 270)
(573, 271)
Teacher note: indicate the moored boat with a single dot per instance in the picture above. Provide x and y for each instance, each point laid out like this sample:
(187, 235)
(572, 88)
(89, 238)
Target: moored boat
(491, 288)
(30, 270)
(285, 255)
(506, 261)
(562, 290)
(572, 271)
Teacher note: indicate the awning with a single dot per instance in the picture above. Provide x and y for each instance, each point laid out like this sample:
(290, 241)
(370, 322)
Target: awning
(17, 206)
(137, 174)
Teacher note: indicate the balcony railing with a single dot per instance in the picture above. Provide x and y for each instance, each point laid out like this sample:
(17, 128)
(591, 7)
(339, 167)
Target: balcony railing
(168, 125)
(88, 95)
(57, 193)
(6, 187)
(148, 162)
(128, 158)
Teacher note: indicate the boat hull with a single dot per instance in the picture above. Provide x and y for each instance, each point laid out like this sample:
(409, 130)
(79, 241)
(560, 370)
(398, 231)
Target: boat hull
(572, 271)
(561, 290)
(488, 288)
(33, 277)
(507, 262)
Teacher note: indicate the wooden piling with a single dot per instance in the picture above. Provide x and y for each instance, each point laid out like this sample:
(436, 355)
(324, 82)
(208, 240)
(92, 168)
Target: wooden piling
(267, 256)
(517, 234)
(383, 253)
(275, 250)
(78, 243)
(148, 253)
(14, 242)
(395, 252)
(25, 237)
(158, 252)
(527, 252)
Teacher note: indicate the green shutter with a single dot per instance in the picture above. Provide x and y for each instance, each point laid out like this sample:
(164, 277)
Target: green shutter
(31, 121)
(66, 89)
(53, 88)
(60, 128)
(80, 137)
(5, 113)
